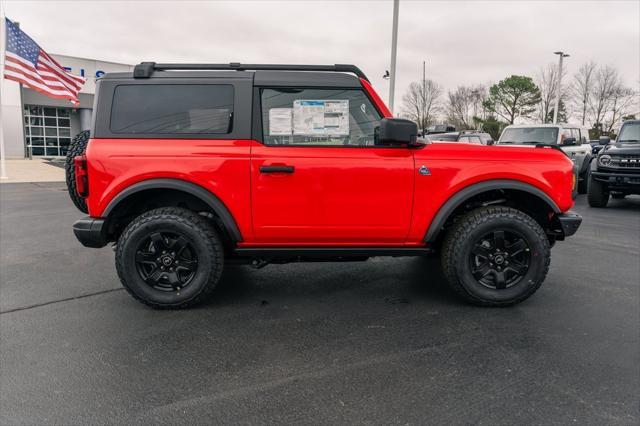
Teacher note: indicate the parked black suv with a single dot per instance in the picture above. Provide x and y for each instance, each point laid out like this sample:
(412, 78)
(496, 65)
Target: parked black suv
(616, 171)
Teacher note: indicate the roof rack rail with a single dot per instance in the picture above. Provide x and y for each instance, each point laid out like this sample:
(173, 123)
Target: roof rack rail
(145, 69)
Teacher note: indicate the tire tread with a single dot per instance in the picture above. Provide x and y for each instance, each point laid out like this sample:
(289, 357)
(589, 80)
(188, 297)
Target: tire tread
(454, 241)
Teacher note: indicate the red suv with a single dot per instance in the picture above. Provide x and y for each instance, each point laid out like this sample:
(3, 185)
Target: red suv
(193, 166)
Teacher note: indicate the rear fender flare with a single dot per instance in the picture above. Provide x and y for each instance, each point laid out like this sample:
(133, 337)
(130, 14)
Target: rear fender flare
(464, 194)
(198, 191)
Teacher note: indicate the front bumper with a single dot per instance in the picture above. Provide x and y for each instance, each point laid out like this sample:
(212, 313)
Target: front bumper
(614, 179)
(570, 222)
(91, 232)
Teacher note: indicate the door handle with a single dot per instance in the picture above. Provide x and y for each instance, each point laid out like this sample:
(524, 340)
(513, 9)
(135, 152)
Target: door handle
(277, 169)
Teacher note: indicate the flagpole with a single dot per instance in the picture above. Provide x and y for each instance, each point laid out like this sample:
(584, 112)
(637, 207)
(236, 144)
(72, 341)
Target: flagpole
(3, 34)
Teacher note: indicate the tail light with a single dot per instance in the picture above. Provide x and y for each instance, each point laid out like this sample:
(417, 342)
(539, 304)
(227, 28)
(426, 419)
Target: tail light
(82, 176)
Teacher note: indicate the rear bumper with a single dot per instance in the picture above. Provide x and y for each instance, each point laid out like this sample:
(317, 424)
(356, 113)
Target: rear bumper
(90, 232)
(570, 222)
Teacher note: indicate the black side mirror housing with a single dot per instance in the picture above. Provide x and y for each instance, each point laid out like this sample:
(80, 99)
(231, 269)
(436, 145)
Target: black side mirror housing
(569, 142)
(397, 131)
(490, 142)
(604, 140)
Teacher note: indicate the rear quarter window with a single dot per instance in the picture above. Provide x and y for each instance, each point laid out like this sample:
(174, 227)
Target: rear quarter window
(172, 109)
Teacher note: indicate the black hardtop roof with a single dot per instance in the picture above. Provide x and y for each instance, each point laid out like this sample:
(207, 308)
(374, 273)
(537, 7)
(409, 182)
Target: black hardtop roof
(262, 74)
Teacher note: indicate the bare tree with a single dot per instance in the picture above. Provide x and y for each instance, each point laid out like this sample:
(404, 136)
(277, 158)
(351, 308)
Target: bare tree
(547, 81)
(601, 97)
(622, 100)
(421, 103)
(464, 106)
(581, 88)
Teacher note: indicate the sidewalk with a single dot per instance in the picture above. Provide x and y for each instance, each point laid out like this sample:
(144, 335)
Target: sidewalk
(36, 170)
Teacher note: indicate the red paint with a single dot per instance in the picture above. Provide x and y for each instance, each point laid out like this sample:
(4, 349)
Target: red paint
(379, 103)
(337, 196)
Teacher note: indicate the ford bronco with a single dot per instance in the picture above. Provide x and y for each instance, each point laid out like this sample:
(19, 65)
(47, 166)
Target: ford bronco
(616, 171)
(189, 167)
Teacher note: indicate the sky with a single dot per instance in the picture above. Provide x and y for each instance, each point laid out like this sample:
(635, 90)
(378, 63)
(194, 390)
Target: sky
(462, 42)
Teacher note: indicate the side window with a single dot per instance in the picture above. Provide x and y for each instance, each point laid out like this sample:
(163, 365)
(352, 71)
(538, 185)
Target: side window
(172, 109)
(576, 134)
(463, 139)
(318, 117)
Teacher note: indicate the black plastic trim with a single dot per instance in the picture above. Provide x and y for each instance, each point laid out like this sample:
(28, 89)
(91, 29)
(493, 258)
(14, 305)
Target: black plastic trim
(90, 232)
(461, 196)
(570, 222)
(284, 252)
(146, 69)
(205, 195)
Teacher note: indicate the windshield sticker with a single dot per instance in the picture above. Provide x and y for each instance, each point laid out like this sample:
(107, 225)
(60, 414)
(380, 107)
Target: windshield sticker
(321, 117)
(280, 122)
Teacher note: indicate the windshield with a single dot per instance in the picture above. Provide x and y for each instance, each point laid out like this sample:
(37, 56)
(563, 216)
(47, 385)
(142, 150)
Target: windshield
(529, 135)
(630, 133)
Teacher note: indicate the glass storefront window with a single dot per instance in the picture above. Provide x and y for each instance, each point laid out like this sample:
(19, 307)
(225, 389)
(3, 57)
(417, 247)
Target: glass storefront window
(47, 130)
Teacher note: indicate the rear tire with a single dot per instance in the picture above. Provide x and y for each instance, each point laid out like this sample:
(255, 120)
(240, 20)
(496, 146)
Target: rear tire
(77, 147)
(598, 194)
(169, 258)
(495, 256)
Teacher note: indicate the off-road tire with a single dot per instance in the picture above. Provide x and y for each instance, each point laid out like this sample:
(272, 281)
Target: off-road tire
(456, 252)
(200, 234)
(598, 194)
(77, 147)
(583, 183)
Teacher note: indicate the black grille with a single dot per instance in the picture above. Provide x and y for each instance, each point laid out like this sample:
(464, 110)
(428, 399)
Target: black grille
(626, 161)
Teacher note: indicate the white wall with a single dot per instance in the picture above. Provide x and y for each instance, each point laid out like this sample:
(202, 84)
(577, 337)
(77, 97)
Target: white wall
(11, 117)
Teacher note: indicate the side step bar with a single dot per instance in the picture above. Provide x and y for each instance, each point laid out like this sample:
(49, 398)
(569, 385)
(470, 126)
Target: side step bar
(331, 252)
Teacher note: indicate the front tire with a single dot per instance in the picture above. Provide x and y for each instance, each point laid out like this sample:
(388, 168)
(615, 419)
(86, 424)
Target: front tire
(598, 194)
(583, 182)
(495, 256)
(169, 258)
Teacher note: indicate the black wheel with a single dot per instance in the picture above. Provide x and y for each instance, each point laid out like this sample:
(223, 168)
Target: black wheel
(495, 256)
(598, 193)
(77, 147)
(169, 258)
(583, 182)
(618, 195)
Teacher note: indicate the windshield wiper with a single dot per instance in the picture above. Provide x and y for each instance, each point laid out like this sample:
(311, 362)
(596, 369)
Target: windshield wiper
(629, 140)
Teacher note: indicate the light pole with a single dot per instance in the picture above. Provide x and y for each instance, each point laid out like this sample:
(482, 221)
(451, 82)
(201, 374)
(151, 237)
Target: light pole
(394, 48)
(559, 85)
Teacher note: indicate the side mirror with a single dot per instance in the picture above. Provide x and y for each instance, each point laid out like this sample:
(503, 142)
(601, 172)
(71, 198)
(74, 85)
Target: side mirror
(490, 142)
(569, 142)
(604, 140)
(397, 131)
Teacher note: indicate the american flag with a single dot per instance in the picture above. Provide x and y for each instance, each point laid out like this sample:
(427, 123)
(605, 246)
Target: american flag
(26, 63)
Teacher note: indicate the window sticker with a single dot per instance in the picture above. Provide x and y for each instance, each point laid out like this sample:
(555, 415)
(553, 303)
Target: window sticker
(321, 117)
(280, 122)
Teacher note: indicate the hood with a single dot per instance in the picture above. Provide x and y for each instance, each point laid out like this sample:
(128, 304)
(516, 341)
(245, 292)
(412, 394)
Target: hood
(621, 149)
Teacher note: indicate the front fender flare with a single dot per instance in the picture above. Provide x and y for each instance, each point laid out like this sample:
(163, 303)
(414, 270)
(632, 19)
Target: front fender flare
(464, 194)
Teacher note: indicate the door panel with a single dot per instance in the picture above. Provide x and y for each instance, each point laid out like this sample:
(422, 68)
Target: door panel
(327, 195)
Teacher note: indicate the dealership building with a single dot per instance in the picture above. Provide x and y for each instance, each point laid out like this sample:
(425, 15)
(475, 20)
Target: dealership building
(40, 126)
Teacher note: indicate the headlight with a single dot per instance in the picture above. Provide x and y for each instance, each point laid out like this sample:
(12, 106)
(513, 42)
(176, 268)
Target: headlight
(605, 160)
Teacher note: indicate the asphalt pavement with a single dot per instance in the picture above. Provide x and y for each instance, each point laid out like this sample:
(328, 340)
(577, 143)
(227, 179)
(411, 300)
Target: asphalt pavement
(376, 342)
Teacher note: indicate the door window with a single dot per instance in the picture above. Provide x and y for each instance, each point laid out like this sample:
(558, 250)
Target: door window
(318, 117)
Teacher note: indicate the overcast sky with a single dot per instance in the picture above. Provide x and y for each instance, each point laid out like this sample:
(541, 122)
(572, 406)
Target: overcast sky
(463, 42)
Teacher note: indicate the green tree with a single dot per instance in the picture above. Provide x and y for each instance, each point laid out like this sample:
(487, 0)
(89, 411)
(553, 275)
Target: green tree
(513, 97)
(562, 114)
(490, 125)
